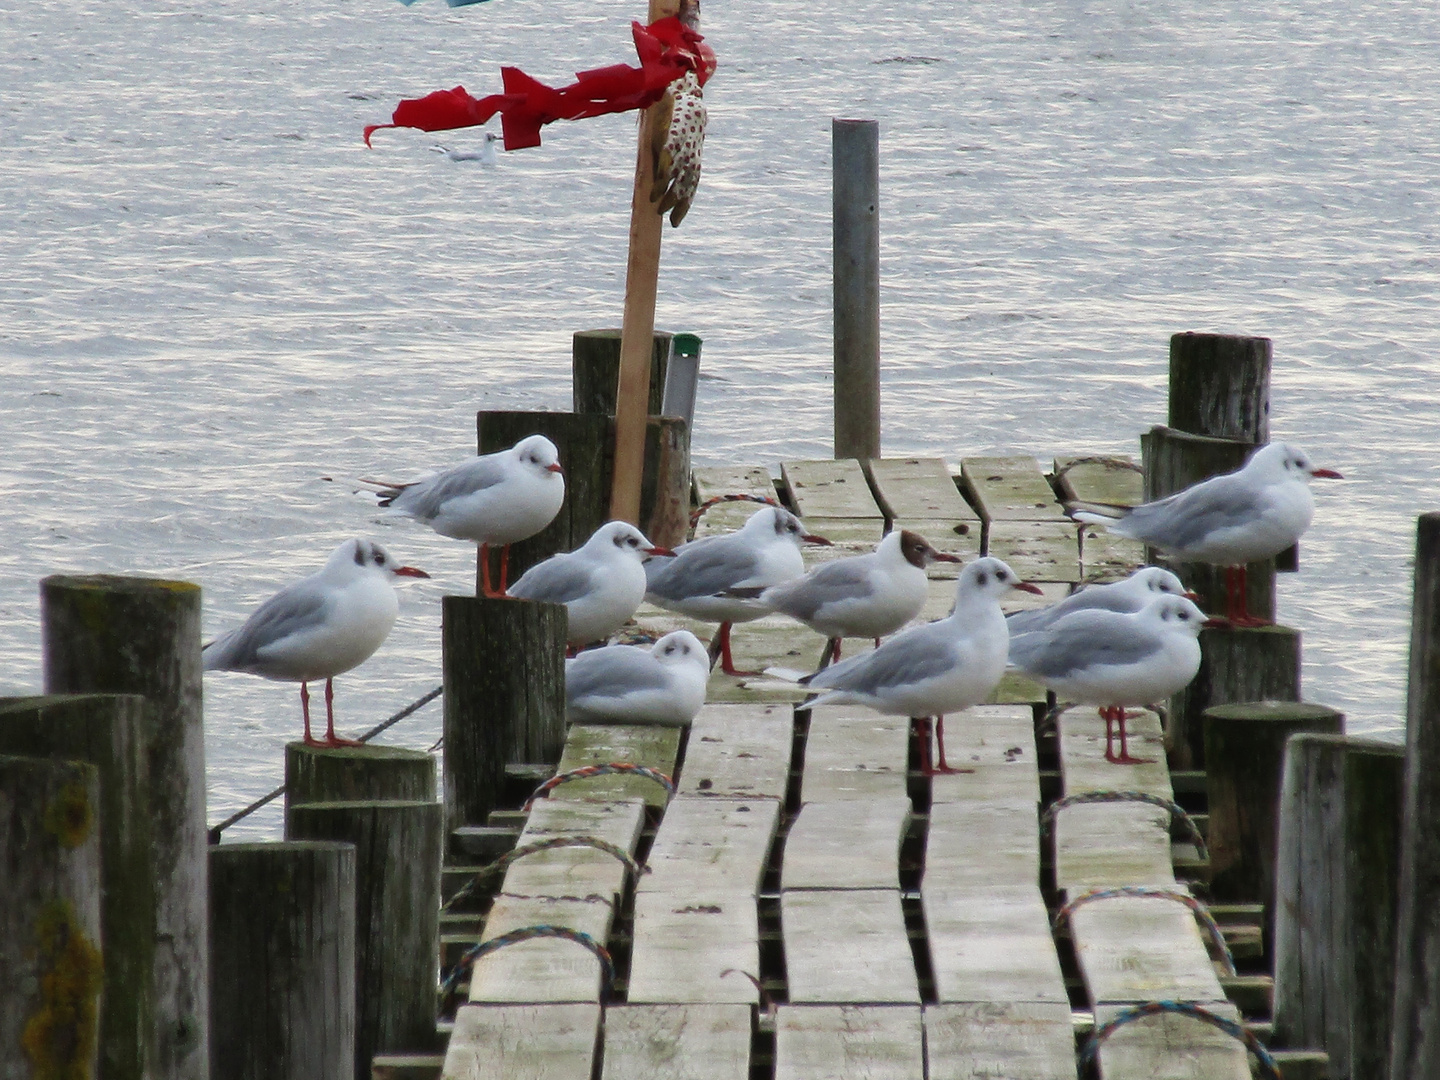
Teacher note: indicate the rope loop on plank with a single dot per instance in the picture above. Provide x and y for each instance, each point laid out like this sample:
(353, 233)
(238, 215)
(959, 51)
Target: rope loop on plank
(500, 865)
(587, 771)
(699, 511)
(1154, 892)
(1268, 1066)
(1177, 812)
(530, 933)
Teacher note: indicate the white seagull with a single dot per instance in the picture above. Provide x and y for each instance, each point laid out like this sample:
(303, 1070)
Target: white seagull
(493, 500)
(486, 155)
(601, 583)
(319, 627)
(1131, 594)
(866, 596)
(699, 581)
(933, 669)
(664, 684)
(1255, 512)
(1113, 659)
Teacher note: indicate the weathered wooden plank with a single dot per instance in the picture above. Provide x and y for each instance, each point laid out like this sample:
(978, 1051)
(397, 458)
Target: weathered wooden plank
(1115, 479)
(711, 481)
(1104, 556)
(1171, 1047)
(740, 751)
(851, 755)
(831, 489)
(684, 943)
(1036, 550)
(1139, 948)
(998, 743)
(1016, 1040)
(978, 845)
(708, 847)
(1102, 844)
(1010, 489)
(1082, 754)
(847, 945)
(575, 871)
(677, 1042)
(600, 744)
(918, 489)
(837, 845)
(992, 944)
(543, 969)
(523, 1042)
(857, 1042)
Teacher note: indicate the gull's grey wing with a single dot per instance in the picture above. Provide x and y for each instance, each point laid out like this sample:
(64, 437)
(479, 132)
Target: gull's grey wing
(907, 658)
(828, 583)
(1086, 639)
(1090, 598)
(558, 580)
(611, 672)
(290, 611)
(700, 569)
(1187, 517)
(424, 498)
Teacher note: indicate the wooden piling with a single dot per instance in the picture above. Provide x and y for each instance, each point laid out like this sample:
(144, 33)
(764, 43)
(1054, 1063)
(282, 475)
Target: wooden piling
(1415, 1044)
(504, 675)
(856, 227)
(348, 773)
(397, 926)
(132, 635)
(50, 961)
(665, 489)
(1220, 386)
(282, 974)
(595, 371)
(108, 731)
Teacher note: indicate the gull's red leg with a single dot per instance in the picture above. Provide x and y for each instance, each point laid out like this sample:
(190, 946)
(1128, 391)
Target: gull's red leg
(310, 740)
(331, 739)
(504, 568)
(727, 662)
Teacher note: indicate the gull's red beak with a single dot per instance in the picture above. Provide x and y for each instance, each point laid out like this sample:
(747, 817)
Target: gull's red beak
(410, 571)
(941, 556)
(659, 551)
(555, 468)
(1326, 474)
(811, 538)
(1193, 597)
(1025, 586)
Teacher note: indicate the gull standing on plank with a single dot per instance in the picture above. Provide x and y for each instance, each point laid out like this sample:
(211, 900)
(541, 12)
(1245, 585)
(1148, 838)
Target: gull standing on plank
(601, 584)
(764, 551)
(319, 627)
(664, 684)
(1131, 594)
(866, 596)
(1113, 659)
(496, 499)
(1255, 512)
(930, 670)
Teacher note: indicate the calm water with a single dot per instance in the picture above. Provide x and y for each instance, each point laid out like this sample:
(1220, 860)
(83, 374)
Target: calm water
(212, 295)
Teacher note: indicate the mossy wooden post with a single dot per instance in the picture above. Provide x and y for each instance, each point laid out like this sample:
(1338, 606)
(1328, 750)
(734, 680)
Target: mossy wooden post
(282, 961)
(1244, 755)
(595, 370)
(397, 920)
(504, 675)
(855, 226)
(1374, 813)
(1236, 665)
(1415, 1045)
(133, 635)
(584, 446)
(108, 731)
(1220, 386)
(348, 773)
(50, 962)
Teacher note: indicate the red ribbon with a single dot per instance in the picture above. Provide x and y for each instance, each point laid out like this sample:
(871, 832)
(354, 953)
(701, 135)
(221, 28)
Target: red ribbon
(667, 50)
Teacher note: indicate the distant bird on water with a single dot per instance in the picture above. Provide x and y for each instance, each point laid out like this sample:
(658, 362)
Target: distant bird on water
(486, 155)
(493, 500)
(319, 627)
(1255, 512)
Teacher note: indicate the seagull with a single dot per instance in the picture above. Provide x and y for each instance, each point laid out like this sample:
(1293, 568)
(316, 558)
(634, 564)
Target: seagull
(937, 668)
(867, 596)
(664, 684)
(1131, 594)
(1253, 513)
(1113, 659)
(764, 551)
(496, 499)
(319, 627)
(486, 155)
(601, 584)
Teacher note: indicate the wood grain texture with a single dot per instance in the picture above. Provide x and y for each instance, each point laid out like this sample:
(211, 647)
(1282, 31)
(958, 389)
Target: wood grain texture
(711, 847)
(576, 871)
(1116, 479)
(1046, 550)
(543, 969)
(980, 846)
(858, 1042)
(832, 489)
(684, 944)
(1016, 1040)
(992, 944)
(837, 845)
(1082, 754)
(1010, 489)
(853, 756)
(347, 773)
(847, 946)
(523, 1042)
(1134, 949)
(918, 489)
(711, 481)
(600, 744)
(739, 751)
(1172, 1047)
(1104, 844)
(998, 743)
(677, 1042)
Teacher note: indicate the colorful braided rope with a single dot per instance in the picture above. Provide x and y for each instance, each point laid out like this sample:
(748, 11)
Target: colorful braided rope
(699, 511)
(1176, 811)
(503, 863)
(587, 771)
(1201, 912)
(530, 933)
(1183, 1008)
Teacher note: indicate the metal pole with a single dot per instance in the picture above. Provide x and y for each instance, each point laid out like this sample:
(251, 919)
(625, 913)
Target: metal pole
(856, 199)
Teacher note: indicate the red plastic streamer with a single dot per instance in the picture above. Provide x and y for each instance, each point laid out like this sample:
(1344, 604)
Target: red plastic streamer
(667, 50)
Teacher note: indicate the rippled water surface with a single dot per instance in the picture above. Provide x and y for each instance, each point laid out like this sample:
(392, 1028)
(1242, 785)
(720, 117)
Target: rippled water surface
(212, 295)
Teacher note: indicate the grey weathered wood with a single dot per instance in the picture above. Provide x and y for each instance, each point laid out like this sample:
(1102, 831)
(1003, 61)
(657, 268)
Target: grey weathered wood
(847, 945)
(825, 491)
(576, 871)
(504, 676)
(542, 969)
(595, 370)
(919, 494)
(1010, 489)
(739, 751)
(132, 635)
(109, 732)
(710, 847)
(397, 931)
(1220, 386)
(50, 961)
(992, 944)
(837, 845)
(1139, 948)
(1172, 1047)
(1082, 754)
(1017, 1040)
(536, 1042)
(1104, 556)
(1038, 551)
(282, 977)
(996, 742)
(710, 481)
(1105, 844)
(665, 485)
(854, 756)
(348, 773)
(598, 744)
(685, 943)
(978, 845)
(823, 1042)
(855, 208)
(677, 1042)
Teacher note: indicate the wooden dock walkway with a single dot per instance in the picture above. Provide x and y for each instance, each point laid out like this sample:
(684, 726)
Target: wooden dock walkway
(814, 907)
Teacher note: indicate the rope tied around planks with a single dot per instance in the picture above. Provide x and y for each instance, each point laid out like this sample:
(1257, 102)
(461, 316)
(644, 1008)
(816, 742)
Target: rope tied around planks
(531, 933)
(699, 511)
(1201, 913)
(501, 864)
(587, 771)
(1177, 812)
(1182, 1008)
